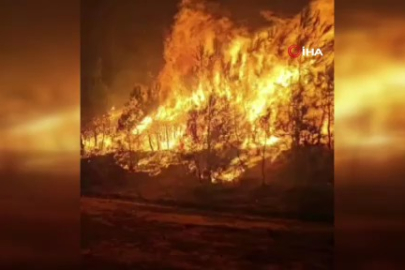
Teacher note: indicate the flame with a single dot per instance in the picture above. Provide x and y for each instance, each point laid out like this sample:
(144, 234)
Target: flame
(225, 87)
(143, 125)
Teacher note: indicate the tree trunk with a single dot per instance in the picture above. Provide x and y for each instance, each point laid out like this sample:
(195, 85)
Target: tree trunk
(167, 137)
(95, 140)
(158, 141)
(150, 142)
(131, 165)
(209, 139)
(102, 140)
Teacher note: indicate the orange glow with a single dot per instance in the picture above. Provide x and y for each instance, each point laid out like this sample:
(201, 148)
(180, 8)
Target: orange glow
(225, 87)
(371, 87)
(51, 133)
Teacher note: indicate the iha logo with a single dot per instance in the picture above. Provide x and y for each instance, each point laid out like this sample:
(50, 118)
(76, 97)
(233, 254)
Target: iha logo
(294, 51)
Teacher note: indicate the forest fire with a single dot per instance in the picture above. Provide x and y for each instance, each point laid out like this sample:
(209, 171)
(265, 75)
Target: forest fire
(228, 97)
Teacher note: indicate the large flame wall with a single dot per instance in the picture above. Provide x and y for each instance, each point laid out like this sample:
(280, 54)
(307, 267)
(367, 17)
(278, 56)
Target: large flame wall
(227, 90)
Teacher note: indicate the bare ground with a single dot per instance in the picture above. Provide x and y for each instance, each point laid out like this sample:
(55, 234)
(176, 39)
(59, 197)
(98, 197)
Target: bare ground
(119, 234)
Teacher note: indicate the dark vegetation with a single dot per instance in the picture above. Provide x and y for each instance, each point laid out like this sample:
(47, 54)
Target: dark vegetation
(178, 220)
(301, 192)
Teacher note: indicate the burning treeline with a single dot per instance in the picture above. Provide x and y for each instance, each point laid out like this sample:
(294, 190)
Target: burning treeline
(228, 98)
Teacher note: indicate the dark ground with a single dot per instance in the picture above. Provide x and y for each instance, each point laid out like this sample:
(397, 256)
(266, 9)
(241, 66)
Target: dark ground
(132, 221)
(118, 234)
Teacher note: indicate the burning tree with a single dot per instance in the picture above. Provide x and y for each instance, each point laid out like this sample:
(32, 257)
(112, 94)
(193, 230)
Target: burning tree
(131, 116)
(228, 98)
